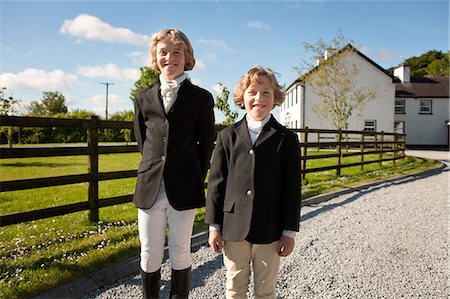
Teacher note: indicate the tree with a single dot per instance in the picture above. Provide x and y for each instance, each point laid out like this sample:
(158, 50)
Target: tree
(438, 67)
(431, 63)
(8, 106)
(148, 77)
(124, 116)
(36, 108)
(81, 114)
(334, 80)
(52, 102)
(221, 103)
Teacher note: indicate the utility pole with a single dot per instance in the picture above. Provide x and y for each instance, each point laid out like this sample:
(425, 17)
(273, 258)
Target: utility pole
(107, 86)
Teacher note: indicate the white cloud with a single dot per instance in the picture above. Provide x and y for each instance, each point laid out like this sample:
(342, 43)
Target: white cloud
(215, 43)
(99, 100)
(139, 58)
(210, 57)
(384, 56)
(109, 71)
(257, 25)
(38, 80)
(217, 89)
(98, 104)
(196, 81)
(70, 99)
(87, 27)
(200, 65)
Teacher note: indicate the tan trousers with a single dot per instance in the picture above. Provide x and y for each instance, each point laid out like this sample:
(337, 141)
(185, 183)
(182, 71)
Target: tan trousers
(239, 257)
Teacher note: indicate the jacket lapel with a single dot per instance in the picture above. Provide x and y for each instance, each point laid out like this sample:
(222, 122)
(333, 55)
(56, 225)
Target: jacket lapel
(182, 95)
(155, 97)
(267, 131)
(241, 130)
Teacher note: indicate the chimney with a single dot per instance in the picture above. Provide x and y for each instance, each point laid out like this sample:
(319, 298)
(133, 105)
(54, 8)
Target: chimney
(328, 53)
(403, 72)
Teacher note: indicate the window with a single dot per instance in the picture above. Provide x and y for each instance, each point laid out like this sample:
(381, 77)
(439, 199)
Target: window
(399, 127)
(425, 107)
(287, 120)
(370, 125)
(400, 107)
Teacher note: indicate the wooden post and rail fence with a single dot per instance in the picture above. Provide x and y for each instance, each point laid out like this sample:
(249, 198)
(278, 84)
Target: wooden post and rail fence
(340, 143)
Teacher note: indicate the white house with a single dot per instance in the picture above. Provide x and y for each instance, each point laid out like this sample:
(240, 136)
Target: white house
(417, 106)
(377, 115)
(422, 108)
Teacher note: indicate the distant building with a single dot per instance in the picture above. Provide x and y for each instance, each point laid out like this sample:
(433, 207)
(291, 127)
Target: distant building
(418, 107)
(377, 114)
(422, 108)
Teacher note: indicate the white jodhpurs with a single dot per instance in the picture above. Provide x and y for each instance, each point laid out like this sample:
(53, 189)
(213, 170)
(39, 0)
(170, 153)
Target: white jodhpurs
(152, 234)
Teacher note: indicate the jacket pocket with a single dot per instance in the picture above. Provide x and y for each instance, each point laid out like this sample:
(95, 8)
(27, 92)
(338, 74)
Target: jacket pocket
(228, 206)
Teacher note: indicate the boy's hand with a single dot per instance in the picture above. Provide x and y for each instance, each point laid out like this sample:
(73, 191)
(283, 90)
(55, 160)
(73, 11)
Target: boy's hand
(215, 240)
(285, 246)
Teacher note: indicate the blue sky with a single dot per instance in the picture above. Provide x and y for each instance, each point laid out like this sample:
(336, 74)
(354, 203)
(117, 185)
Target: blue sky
(72, 47)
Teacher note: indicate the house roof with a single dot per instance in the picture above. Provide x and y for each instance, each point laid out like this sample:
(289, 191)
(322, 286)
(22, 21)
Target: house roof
(347, 47)
(423, 87)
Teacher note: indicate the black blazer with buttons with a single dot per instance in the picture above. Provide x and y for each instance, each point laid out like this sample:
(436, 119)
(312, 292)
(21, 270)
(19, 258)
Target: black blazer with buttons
(175, 146)
(254, 191)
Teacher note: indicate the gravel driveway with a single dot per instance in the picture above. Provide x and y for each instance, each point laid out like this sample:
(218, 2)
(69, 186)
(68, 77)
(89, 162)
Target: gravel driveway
(386, 241)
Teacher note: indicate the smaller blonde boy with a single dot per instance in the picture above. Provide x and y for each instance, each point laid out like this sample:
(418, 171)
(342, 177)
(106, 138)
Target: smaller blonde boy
(253, 203)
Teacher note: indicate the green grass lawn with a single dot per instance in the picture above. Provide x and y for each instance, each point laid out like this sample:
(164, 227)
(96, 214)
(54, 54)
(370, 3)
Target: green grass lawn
(39, 255)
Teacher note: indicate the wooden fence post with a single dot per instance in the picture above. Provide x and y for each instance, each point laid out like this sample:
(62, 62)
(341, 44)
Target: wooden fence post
(381, 149)
(318, 140)
(305, 150)
(361, 146)
(346, 142)
(93, 168)
(339, 151)
(394, 147)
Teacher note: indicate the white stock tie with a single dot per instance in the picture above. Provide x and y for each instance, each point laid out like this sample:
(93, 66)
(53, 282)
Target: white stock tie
(169, 93)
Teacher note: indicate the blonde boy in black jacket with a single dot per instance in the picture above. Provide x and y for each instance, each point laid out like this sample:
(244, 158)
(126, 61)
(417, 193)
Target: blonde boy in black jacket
(253, 202)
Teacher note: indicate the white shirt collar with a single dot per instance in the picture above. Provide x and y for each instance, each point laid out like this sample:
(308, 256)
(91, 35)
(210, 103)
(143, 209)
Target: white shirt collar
(179, 80)
(256, 126)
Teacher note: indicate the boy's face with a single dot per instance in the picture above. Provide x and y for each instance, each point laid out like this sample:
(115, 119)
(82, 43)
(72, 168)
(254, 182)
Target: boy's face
(259, 99)
(170, 59)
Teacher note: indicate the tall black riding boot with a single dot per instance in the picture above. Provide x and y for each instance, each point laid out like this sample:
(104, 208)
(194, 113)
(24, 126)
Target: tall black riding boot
(150, 284)
(181, 283)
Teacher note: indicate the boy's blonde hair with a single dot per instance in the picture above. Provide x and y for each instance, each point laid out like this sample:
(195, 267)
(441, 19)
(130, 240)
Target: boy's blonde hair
(178, 38)
(254, 74)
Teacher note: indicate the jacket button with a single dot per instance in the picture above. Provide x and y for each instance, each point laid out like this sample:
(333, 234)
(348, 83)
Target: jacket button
(249, 192)
(164, 139)
(163, 158)
(251, 152)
